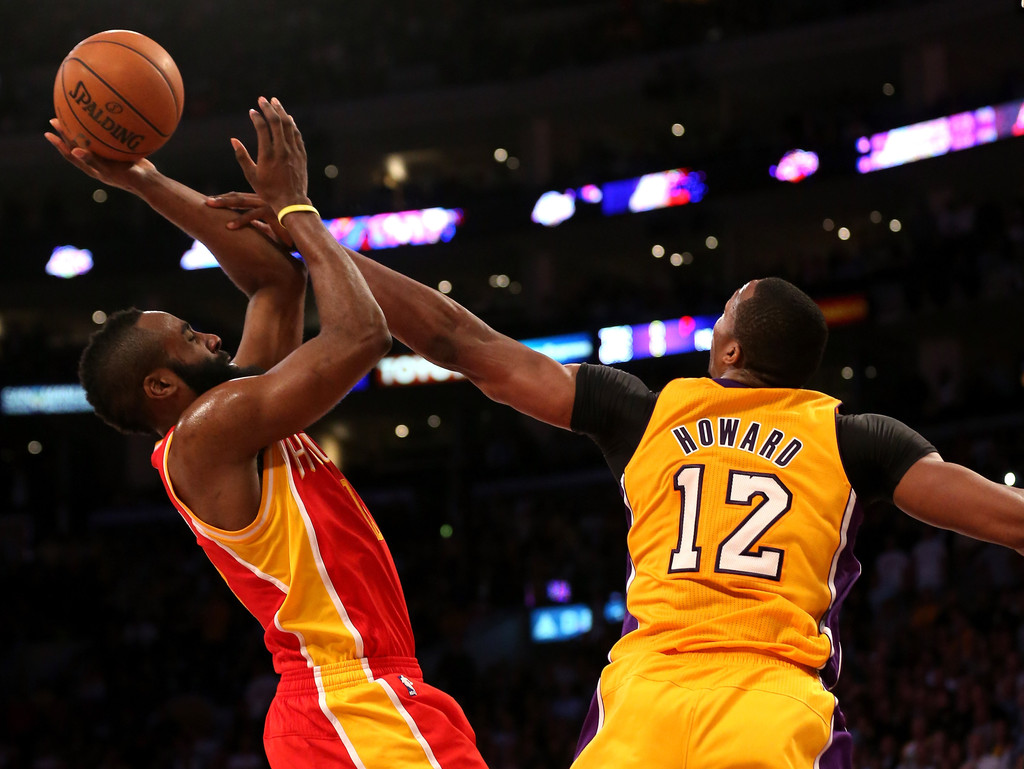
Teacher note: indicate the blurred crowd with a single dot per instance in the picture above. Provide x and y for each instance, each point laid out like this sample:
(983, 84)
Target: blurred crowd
(358, 49)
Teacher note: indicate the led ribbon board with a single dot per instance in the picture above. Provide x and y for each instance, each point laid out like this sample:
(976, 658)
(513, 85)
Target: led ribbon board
(940, 136)
(420, 227)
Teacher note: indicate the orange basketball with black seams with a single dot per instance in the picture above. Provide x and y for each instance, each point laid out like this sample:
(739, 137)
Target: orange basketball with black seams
(119, 94)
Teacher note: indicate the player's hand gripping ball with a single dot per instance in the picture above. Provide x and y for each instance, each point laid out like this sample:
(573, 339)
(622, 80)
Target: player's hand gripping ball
(119, 95)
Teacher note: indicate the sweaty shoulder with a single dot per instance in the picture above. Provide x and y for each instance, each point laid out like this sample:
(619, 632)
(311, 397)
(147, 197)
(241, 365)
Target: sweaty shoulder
(877, 451)
(613, 409)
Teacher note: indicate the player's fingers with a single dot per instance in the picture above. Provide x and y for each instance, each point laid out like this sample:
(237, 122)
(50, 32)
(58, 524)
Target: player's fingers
(263, 229)
(272, 114)
(88, 161)
(264, 144)
(58, 128)
(290, 133)
(236, 200)
(244, 160)
(277, 235)
(296, 137)
(57, 142)
(248, 217)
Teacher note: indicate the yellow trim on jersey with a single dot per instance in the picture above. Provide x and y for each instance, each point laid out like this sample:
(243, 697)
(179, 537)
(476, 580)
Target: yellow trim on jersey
(212, 532)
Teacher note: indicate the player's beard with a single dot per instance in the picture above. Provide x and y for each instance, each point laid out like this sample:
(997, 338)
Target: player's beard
(212, 372)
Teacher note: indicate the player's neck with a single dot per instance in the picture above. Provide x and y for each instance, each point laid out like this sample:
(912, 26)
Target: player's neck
(744, 376)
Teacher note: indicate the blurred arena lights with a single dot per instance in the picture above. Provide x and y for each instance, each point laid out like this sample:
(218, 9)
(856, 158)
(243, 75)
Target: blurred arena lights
(553, 208)
(418, 227)
(615, 344)
(69, 262)
(795, 166)
(662, 189)
(559, 623)
(932, 138)
(43, 399)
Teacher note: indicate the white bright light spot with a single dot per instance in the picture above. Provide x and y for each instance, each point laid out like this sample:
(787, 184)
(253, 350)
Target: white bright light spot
(553, 208)
(711, 242)
(498, 281)
(68, 262)
(99, 317)
(847, 372)
(198, 257)
(843, 233)
(1010, 479)
(401, 431)
(678, 129)
(657, 251)
(676, 260)
(895, 225)
(99, 196)
(445, 287)
(395, 165)
(34, 447)
(501, 155)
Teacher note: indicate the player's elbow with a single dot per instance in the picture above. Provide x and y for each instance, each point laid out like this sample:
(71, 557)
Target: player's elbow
(459, 340)
(376, 337)
(381, 342)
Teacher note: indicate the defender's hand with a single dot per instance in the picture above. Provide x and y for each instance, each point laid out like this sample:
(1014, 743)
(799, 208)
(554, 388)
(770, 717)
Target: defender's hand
(253, 211)
(278, 175)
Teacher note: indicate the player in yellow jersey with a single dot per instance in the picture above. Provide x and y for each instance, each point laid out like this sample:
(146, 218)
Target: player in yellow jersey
(280, 523)
(741, 490)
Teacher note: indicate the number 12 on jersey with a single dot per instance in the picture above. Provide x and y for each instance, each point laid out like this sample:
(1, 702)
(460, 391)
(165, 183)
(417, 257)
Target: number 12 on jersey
(739, 552)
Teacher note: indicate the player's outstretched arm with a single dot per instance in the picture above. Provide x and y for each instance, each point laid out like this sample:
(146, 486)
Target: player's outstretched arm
(274, 282)
(954, 497)
(446, 333)
(443, 331)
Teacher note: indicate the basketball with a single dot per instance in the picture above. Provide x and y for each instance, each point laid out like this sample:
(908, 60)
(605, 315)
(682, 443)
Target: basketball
(118, 94)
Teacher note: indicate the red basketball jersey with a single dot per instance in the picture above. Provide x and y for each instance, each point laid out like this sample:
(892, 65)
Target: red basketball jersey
(312, 567)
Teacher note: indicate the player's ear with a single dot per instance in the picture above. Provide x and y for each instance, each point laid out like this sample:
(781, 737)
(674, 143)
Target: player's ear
(732, 355)
(161, 383)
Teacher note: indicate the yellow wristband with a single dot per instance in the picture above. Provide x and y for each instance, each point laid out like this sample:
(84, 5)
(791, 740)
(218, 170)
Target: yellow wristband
(292, 209)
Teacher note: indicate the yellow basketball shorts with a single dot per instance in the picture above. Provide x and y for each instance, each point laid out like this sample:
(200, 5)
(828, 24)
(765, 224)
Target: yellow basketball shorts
(716, 710)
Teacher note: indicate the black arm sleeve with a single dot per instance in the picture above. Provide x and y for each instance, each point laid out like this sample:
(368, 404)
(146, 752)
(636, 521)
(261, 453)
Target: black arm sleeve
(876, 451)
(612, 408)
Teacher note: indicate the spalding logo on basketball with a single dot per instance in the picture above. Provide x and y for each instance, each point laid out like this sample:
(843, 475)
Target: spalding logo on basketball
(119, 94)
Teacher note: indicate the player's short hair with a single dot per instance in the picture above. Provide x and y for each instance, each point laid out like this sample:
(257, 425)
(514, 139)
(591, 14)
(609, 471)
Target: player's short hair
(782, 333)
(113, 367)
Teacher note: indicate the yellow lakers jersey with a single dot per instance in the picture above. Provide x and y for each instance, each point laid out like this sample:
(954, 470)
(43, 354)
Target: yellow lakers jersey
(739, 510)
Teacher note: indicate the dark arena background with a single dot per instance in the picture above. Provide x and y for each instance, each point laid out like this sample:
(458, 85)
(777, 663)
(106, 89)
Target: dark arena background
(535, 135)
